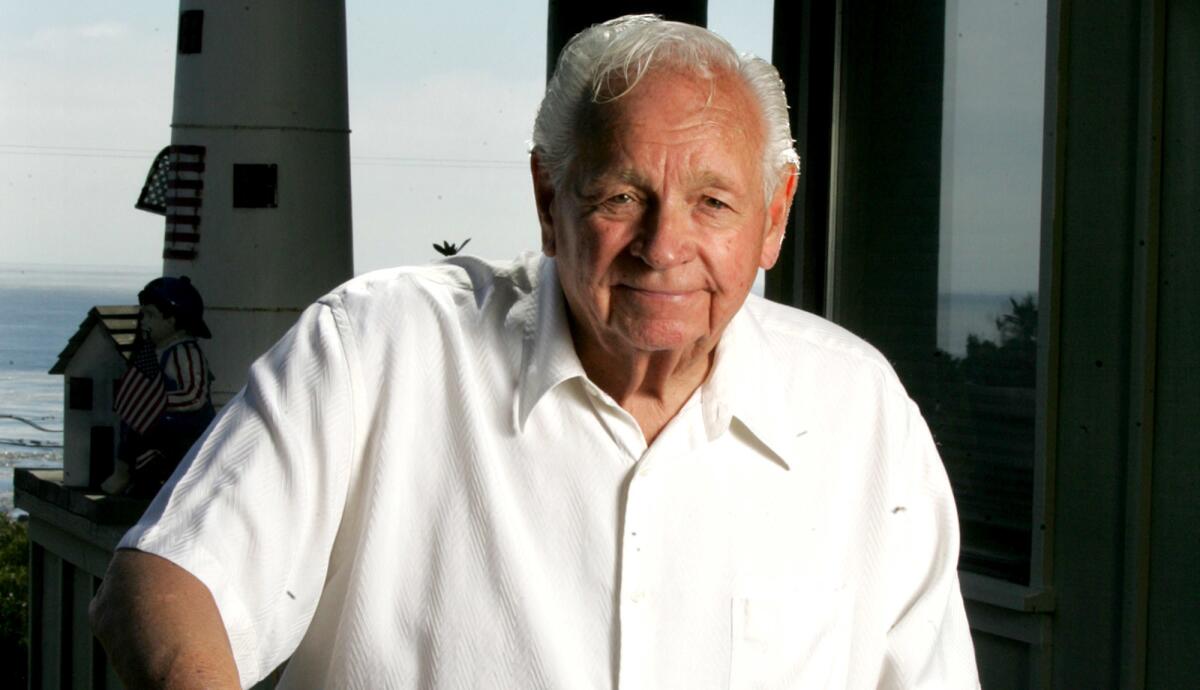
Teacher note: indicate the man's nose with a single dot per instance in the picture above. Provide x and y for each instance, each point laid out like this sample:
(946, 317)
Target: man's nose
(666, 238)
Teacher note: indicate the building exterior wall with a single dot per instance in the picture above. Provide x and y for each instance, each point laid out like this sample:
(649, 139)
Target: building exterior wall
(264, 85)
(1172, 607)
(1113, 566)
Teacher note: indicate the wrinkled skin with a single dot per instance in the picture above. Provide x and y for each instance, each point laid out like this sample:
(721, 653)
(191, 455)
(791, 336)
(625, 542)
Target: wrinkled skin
(660, 231)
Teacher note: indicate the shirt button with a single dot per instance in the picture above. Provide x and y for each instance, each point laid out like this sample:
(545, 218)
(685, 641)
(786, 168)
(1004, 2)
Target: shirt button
(643, 471)
(637, 597)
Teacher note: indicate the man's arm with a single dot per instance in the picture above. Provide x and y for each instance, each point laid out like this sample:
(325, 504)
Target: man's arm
(250, 519)
(929, 644)
(160, 626)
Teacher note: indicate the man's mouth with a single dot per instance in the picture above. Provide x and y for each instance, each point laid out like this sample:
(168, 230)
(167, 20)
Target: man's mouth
(656, 294)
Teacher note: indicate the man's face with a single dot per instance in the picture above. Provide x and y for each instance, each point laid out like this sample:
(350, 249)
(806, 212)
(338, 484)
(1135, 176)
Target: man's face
(156, 328)
(660, 231)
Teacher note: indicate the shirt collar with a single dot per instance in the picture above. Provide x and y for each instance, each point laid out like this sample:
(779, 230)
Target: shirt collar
(745, 387)
(741, 386)
(548, 353)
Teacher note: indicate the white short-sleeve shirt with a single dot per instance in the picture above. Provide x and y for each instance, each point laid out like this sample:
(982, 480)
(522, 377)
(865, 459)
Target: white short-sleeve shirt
(419, 487)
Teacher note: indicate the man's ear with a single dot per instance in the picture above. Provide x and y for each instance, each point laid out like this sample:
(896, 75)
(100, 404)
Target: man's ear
(543, 195)
(777, 217)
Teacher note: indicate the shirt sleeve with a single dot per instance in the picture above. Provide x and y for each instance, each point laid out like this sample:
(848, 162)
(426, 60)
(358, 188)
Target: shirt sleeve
(929, 644)
(188, 369)
(254, 508)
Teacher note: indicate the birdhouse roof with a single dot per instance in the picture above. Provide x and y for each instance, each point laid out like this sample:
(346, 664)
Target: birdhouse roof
(117, 322)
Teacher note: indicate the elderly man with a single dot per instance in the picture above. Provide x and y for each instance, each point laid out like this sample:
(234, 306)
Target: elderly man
(601, 467)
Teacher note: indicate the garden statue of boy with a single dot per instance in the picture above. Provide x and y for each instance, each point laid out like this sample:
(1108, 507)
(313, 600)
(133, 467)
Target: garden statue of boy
(164, 399)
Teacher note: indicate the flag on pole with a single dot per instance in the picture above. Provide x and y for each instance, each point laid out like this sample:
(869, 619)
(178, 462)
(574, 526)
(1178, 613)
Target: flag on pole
(174, 188)
(141, 394)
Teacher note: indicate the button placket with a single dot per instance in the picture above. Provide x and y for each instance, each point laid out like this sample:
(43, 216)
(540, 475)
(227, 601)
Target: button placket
(641, 559)
(635, 597)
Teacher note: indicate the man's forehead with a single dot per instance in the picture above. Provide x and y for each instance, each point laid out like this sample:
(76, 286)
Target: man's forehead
(669, 106)
(722, 95)
(598, 176)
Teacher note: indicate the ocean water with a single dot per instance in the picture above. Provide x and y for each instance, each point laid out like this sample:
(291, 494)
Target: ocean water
(41, 306)
(961, 315)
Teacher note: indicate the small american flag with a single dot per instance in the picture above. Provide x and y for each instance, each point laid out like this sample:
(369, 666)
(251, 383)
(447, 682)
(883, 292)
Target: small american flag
(175, 188)
(141, 394)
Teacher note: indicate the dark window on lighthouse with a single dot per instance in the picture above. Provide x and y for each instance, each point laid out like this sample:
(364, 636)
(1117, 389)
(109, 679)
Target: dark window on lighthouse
(191, 31)
(255, 185)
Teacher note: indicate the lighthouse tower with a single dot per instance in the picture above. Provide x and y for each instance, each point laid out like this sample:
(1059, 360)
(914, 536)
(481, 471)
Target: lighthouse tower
(258, 172)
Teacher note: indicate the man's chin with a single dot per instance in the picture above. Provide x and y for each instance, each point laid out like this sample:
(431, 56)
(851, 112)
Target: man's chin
(662, 336)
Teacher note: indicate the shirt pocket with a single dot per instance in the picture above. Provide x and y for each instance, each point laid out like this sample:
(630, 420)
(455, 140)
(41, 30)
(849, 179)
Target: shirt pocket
(793, 637)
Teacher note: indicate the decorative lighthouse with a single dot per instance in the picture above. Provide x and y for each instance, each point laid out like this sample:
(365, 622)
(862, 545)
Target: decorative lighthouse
(256, 183)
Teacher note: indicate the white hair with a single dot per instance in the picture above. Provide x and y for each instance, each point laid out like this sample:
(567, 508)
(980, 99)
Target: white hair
(606, 61)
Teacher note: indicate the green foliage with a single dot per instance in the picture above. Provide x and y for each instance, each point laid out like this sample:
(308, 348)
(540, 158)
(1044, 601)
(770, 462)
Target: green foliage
(14, 597)
(1011, 360)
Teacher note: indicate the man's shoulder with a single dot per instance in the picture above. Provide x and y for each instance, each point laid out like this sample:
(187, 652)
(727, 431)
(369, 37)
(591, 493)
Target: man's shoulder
(456, 284)
(797, 338)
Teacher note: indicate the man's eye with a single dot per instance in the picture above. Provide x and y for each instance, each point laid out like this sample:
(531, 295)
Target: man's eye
(715, 204)
(618, 202)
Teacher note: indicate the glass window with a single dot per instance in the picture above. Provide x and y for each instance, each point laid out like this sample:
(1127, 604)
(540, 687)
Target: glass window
(255, 185)
(983, 411)
(936, 238)
(191, 31)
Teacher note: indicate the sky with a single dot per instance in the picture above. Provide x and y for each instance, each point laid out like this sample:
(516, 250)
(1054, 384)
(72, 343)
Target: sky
(441, 106)
(992, 146)
(442, 101)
